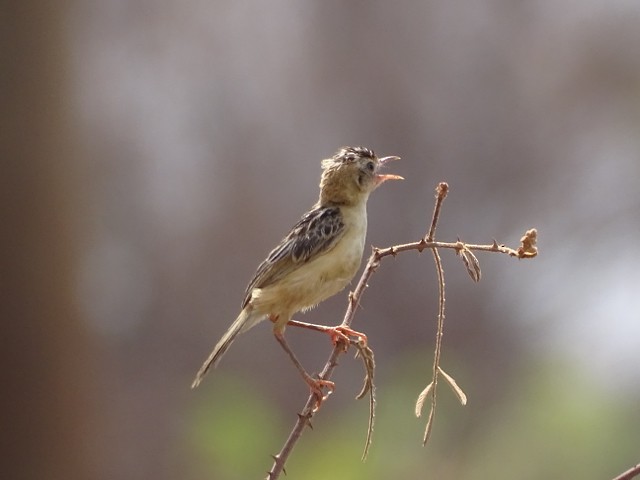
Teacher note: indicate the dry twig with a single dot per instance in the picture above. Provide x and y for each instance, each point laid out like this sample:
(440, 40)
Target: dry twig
(629, 474)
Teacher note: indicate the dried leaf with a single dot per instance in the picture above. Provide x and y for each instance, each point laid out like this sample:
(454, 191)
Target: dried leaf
(454, 386)
(421, 398)
(528, 248)
(372, 410)
(427, 430)
(363, 351)
(471, 262)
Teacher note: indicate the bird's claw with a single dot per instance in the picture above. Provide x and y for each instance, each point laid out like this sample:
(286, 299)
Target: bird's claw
(342, 334)
(316, 386)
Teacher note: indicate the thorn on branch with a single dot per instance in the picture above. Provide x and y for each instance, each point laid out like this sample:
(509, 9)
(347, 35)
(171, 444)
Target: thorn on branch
(306, 419)
(271, 473)
(353, 301)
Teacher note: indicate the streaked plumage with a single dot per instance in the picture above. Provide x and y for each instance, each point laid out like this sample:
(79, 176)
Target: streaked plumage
(318, 257)
(316, 232)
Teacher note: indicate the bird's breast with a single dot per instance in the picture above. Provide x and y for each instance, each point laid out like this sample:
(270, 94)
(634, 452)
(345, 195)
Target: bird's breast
(322, 277)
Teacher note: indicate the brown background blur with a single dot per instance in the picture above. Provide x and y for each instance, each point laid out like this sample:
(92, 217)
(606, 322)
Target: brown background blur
(154, 151)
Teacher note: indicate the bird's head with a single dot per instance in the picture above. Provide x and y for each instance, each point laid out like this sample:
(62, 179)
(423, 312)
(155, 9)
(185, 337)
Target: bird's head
(352, 174)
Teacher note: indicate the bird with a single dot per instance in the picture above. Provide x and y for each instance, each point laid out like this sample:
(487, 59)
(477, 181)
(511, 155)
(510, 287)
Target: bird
(317, 259)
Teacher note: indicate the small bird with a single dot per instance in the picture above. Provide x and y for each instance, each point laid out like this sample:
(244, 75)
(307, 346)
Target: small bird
(316, 260)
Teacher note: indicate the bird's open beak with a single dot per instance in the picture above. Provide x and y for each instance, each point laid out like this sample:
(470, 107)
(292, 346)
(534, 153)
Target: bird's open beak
(380, 178)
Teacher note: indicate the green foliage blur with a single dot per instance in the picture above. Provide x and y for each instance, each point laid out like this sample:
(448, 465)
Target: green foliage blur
(549, 423)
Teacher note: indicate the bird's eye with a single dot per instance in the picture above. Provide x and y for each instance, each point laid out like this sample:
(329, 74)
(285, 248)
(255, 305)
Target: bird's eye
(370, 166)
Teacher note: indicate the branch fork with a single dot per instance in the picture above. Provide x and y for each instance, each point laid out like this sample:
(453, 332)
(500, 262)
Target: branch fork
(526, 250)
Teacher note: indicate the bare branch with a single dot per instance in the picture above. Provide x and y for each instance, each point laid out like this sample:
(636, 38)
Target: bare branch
(441, 193)
(527, 249)
(629, 474)
(438, 348)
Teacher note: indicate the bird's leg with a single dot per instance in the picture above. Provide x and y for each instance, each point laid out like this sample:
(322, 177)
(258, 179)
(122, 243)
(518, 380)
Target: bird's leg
(315, 384)
(337, 334)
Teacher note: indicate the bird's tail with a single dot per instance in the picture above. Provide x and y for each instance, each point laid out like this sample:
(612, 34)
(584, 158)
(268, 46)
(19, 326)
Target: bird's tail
(244, 322)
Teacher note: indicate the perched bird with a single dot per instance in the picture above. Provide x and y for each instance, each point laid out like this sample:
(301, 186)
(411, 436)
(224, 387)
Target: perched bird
(316, 260)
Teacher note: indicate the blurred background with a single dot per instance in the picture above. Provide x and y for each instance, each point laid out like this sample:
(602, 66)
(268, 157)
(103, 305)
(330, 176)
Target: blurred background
(153, 152)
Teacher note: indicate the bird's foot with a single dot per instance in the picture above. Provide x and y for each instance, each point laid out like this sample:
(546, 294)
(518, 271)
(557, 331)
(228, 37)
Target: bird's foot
(342, 334)
(316, 385)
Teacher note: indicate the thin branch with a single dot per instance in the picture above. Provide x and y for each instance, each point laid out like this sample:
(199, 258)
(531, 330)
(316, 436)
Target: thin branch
(527, 249)
(431, 389)
(629, 474)
(438, 348)
(441, 193)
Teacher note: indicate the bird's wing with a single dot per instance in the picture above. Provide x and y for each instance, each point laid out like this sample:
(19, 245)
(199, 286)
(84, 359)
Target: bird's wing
(315, 234)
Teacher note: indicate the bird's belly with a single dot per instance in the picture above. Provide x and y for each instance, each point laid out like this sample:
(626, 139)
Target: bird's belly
(313, 282)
